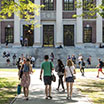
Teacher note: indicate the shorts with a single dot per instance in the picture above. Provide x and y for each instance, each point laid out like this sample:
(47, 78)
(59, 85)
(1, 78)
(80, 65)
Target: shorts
(89, 63)
(100, 69)
(69, 79)
(47, 80)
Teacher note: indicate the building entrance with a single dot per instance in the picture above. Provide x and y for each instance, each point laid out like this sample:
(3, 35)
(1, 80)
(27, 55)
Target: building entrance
(68, 35)
(28, 35)
(48, 35)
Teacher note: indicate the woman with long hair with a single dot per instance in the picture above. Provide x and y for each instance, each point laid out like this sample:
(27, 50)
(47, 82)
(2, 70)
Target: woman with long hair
(69, 71)
(60, 71)
(25, 80)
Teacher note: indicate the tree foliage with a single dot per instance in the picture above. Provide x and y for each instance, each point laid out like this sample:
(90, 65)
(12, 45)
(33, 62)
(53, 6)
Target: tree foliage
(24, 9)
(90, 9)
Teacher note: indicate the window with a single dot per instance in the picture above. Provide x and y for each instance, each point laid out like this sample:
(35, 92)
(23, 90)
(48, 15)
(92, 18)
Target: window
(9, 34)
(68, 5)
(87, 34)
(49, 4)
(87, 4)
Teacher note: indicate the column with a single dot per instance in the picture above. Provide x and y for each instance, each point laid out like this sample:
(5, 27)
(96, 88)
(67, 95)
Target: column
(99, 25)
(16, 30)
(0, 33)
(37, 34)
(59, 24)
(79, 26)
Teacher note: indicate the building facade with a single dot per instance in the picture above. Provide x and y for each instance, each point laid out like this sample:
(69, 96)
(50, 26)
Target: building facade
(58, 27)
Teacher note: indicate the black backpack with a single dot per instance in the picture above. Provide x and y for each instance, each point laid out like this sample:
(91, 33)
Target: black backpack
(83, 63)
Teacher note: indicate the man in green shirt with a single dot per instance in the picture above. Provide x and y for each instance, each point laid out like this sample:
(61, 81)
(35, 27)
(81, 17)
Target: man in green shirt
(47, 67)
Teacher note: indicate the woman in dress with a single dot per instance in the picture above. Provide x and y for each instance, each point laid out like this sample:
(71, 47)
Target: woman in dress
(25, 80)
(60, 71)
(69, 71)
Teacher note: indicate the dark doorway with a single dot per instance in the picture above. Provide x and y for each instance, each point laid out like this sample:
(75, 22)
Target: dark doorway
(48, 35)
(29, 34)
(68, 35)
(9, 36)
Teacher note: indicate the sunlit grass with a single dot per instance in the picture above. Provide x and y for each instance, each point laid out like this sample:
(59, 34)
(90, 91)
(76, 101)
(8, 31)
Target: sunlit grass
(8, 89)
(88, 70)
(93, 88)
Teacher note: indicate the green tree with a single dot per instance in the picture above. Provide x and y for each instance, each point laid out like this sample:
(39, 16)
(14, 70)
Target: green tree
(24, 9)
(90, 9)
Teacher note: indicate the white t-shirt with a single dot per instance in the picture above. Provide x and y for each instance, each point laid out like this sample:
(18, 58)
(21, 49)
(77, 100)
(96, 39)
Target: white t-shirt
(79, 58)
(68, 73)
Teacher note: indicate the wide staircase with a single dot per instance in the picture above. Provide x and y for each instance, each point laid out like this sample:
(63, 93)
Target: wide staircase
(39, 53)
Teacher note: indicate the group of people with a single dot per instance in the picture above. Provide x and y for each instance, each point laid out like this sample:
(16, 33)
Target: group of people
(24, 42)
(7, 56)
(65, 73)
(47, 67)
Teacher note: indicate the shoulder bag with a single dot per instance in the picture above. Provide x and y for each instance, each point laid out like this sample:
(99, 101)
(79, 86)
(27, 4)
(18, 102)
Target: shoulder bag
(74, 77)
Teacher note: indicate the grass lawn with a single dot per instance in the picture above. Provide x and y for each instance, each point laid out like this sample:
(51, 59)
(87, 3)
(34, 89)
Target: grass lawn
(8, 70)
(93, 88)
(88, 70)
(8, 86)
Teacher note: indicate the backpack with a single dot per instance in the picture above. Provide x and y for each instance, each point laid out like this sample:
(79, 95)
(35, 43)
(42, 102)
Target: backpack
(83, 63)
(26, 68)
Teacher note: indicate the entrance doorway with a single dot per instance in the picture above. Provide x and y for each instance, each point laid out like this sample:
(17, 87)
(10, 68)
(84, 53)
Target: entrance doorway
(29, 34)
(48, 35)
(68, 35)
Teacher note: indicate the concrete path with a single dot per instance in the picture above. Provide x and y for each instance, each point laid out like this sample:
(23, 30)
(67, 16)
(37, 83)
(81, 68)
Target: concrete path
(37, 95)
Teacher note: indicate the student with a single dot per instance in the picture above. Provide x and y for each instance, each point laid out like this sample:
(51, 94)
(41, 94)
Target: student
(60, 71)
(52, 56)
(47, 67)
(82, 66)
(89, 61)
(73, 58)
(25, 80)
(100, 65)
(79, 59)
(69, 71)
(14, 59)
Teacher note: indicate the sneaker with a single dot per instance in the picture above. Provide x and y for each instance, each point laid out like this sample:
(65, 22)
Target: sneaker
(50, 97)
(63, 90)
(27, 98)
(46, 98)
(57, 89)
(97, 76)
(67, 97)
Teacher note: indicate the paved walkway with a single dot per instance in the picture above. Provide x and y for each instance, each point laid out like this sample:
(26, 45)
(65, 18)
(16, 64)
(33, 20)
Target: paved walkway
(37, 94)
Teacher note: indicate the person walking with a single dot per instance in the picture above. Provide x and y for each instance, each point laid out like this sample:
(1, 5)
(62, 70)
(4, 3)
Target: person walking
(52, 57)
(82, 66)
(25, 80)
(73, 58)
(100, 65)
(69, 71)
(60, 71)
(89, 61)
(14, 59)
(47, 67)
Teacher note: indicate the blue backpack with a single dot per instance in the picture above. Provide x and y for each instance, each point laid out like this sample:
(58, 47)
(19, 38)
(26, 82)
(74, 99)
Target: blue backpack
(26, 68)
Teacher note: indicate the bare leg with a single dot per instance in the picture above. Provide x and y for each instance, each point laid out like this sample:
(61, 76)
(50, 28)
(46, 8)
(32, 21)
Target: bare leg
(67, 84)
(46, 90)
(49, 90)
(71, 89)
(24, 90)
(102, 72)
(98, 74)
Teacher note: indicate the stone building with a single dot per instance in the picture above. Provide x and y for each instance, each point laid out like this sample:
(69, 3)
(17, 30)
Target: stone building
(58, 27)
